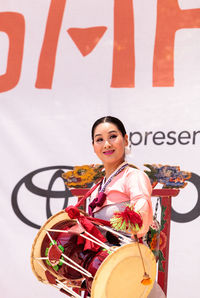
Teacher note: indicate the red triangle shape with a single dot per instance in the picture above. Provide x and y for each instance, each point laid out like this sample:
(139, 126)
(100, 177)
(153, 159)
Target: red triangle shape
(86, 39)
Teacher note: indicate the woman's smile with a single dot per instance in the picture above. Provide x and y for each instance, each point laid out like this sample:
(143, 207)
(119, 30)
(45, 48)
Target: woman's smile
(109, 145)
(108, 152)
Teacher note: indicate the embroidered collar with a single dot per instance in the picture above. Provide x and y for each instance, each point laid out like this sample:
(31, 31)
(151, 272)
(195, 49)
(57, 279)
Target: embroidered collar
(100, 199)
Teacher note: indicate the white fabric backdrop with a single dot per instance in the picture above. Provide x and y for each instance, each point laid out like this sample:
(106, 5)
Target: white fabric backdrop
(43, 127)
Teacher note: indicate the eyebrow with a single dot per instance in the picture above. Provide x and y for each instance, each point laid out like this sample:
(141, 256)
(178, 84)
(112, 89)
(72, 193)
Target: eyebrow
(99, 134)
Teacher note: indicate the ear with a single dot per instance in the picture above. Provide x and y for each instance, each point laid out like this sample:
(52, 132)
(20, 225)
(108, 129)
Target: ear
(126, 140)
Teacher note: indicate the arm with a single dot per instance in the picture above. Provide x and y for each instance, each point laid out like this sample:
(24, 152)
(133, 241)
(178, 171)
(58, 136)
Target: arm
(138, 188)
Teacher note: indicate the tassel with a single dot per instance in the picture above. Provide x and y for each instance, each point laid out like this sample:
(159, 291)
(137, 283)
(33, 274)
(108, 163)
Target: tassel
(127, 221)
(146, 280)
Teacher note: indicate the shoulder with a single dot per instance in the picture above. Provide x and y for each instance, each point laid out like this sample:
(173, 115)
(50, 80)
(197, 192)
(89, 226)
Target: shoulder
(135, 173)
(135, 178)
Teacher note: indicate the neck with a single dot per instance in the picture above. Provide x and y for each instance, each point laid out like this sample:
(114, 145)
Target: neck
(110, 168)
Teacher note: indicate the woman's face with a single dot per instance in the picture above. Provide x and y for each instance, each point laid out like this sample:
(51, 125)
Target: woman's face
(109, 144)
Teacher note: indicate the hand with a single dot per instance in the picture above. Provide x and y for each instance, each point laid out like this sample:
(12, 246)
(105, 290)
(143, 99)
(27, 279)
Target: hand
(127, 221)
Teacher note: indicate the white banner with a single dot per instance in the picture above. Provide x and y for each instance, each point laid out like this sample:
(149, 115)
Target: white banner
(63, 64)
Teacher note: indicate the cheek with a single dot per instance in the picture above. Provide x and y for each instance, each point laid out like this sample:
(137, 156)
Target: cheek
(121, 145)
(96, 149)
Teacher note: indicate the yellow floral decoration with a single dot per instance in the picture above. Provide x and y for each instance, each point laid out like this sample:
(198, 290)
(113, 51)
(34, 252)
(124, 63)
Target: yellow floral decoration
(81, 176)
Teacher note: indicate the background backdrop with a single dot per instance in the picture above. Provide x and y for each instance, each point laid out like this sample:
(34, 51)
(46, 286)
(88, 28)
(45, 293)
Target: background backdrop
(63, 64)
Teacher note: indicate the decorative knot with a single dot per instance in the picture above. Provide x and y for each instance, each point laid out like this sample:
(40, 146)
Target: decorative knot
(73, 212)
(97, 202)
(88, 226)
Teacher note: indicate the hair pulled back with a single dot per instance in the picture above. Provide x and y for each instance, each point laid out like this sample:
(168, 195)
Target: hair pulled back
(109, 119)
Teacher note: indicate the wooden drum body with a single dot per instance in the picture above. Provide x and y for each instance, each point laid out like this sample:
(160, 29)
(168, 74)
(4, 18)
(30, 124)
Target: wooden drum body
(58, 258)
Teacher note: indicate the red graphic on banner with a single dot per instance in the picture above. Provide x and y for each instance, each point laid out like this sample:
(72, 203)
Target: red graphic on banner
(86, 39)
(170, 18)
(123, 74)
(13, 25)
(48, 53)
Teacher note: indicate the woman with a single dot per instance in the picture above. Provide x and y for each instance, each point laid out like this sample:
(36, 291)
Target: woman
(122, 184)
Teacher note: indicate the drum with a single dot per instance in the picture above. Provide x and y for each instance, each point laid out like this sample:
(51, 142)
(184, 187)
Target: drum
(114, 269)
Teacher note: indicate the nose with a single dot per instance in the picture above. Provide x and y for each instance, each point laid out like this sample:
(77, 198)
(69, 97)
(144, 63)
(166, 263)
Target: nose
(107, 144)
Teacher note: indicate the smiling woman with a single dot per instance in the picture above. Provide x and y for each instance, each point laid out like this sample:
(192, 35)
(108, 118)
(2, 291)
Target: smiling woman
(122, 184)
(109, 144)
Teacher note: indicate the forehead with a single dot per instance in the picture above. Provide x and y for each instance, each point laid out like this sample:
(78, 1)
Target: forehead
(106, 127)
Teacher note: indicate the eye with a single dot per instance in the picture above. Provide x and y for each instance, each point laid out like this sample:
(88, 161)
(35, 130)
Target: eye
(113, 136)
(98, 140)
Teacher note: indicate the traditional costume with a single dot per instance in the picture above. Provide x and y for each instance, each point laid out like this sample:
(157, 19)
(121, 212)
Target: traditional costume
(71, 253)
(127, 185)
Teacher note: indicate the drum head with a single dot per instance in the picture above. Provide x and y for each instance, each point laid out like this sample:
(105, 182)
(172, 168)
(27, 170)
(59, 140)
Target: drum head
(121, 273)
(37, 267)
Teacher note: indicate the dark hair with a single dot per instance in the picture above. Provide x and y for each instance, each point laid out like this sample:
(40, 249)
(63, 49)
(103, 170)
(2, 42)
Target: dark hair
(109, 119)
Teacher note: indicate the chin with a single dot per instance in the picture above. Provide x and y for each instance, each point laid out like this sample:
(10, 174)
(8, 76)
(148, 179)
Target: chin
(112, 161)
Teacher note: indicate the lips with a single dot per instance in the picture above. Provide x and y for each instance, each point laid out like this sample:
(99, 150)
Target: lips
(109, 152)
